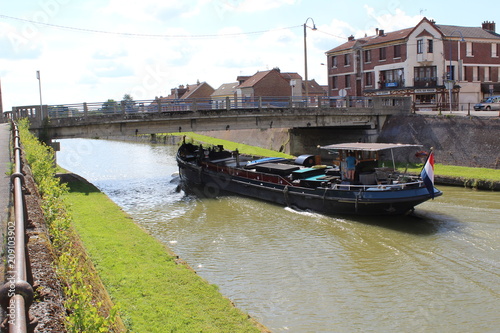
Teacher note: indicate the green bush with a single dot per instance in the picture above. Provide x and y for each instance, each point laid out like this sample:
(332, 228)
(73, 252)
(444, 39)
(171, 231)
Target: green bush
(84, 313)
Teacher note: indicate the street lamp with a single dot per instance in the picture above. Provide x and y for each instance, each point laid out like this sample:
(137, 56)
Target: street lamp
(40, 90)
(451, 82)
(305, 55)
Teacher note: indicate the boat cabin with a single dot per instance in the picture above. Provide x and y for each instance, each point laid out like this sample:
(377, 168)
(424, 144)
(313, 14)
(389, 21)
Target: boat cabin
(369, 170)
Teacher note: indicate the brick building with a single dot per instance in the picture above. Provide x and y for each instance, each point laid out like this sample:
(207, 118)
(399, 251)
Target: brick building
(263, 84)
(421, 62)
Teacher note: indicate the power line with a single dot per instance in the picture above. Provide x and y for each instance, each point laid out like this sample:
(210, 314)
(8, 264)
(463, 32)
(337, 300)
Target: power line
(127, 34)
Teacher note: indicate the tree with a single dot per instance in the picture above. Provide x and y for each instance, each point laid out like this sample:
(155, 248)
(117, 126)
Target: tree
(110, 106)
(128, 103)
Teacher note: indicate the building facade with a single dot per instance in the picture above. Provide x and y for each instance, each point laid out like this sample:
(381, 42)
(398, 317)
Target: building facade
(438, 66)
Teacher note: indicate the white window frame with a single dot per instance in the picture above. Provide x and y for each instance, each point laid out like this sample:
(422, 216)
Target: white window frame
(469, 49)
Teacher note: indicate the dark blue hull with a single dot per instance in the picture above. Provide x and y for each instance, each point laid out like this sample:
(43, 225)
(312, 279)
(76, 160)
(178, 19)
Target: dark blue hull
(359, 200)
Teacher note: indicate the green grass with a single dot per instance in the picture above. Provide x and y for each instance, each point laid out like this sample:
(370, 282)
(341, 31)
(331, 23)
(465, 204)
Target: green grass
(153, 292)
(230, 145)
(458, 171)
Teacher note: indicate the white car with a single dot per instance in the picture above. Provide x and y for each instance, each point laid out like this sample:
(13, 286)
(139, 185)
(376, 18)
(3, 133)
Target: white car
(490, 103)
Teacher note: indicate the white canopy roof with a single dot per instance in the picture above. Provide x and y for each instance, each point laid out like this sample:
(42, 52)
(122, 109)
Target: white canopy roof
(367, 146)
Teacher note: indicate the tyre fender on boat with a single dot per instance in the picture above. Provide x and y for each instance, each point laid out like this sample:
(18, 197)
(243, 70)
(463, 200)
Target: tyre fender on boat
(285, 194)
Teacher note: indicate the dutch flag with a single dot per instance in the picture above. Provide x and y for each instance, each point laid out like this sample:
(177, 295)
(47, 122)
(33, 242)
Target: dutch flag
(427, 174)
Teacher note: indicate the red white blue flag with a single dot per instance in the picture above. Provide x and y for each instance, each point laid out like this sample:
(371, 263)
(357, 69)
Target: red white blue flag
(427, 174)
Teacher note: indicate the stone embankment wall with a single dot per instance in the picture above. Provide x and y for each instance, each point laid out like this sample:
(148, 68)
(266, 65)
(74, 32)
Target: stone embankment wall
(463, 141)
(457, 140)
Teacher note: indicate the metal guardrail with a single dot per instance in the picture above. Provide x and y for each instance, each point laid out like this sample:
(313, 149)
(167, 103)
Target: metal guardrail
(16, 295)
(468, 108)
(184, 105)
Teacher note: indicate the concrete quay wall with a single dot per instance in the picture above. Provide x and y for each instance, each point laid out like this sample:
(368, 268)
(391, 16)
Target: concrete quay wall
(457, 140)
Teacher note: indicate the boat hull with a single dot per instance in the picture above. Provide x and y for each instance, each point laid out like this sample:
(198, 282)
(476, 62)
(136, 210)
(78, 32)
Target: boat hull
(342, 200)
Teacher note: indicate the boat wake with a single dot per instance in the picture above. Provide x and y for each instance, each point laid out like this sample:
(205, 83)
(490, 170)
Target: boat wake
(309, 213)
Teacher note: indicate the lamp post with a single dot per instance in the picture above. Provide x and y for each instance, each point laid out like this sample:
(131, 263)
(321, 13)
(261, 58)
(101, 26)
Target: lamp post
(40, 91)
(305, 56)
(451, 82)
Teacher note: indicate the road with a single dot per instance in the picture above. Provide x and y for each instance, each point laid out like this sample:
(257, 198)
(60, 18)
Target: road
(462, 113)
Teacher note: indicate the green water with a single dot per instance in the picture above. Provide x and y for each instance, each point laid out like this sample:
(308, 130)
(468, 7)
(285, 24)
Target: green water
(304, 272)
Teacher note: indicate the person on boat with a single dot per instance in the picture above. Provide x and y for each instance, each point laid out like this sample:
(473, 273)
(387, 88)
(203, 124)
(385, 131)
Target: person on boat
(351, 166)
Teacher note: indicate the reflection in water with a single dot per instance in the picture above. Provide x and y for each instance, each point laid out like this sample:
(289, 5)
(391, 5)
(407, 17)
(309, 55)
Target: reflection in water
(296, 271)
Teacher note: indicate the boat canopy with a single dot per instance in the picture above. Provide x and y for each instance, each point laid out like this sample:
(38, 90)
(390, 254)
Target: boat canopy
(362, 146)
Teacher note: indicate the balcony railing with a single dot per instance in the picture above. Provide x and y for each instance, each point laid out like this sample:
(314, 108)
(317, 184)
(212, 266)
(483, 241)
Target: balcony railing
(424, 82)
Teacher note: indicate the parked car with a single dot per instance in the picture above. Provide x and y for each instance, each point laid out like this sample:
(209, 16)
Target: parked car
(490, 103)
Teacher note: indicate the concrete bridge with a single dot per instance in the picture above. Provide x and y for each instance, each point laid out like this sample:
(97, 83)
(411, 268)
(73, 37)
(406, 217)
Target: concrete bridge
(159, 116)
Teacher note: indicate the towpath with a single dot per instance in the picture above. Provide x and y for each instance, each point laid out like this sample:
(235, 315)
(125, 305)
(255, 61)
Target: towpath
(4, 183)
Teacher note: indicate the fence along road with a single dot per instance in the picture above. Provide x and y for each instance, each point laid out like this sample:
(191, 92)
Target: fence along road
(170, 116)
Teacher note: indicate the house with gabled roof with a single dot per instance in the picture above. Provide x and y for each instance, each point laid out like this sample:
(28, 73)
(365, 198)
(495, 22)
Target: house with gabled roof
(221, 94)
(429, 63)
(264, 84)
(176, 100)
(199, 90)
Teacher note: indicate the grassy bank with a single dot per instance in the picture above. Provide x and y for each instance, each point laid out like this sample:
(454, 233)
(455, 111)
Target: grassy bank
(153, 291)
(460, 172)
(230, 145)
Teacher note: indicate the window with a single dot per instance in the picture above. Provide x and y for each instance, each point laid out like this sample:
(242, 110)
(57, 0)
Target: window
(334, 62)
(430, 46)
(368, 56)
(420, 46)
(468, 48)
(494, 50)
(425, 76)
(347, 59)
(382, 55)
(397, 51)
(348, 81)
(450, 72)
(334, 82)
(392, 78)
(425, 99)
(368, 79)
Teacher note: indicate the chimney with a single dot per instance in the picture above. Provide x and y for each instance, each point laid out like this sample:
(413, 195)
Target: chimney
(350, 38)
(489, 26)
(376, 31)
(381, 32)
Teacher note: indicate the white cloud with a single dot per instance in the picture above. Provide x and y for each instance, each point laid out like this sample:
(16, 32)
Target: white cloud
(146, 10)
(250, 6)
(388, 20)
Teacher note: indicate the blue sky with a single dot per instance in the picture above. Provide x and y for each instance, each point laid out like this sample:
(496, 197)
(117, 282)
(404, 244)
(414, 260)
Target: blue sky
(93, 50)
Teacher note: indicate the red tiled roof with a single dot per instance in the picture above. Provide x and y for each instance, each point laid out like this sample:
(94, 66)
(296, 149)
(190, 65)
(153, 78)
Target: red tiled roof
(251, 81)
(291, 76)
(373, 40)
(446, 30)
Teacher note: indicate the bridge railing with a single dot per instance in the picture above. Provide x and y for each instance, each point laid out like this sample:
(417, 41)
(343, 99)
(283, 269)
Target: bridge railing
(161, 105)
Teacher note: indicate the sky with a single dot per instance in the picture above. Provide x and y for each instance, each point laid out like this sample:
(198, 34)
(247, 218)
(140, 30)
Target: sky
(95, 50)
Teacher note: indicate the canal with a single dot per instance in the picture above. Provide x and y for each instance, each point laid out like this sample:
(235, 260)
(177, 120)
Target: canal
(296, 271)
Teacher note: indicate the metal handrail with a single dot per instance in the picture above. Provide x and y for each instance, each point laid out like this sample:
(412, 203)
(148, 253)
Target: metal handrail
(386, 187)
(16, 295)
(187, 105)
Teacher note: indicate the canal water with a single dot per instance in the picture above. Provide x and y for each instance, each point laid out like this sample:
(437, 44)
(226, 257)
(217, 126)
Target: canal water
(297, 271)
